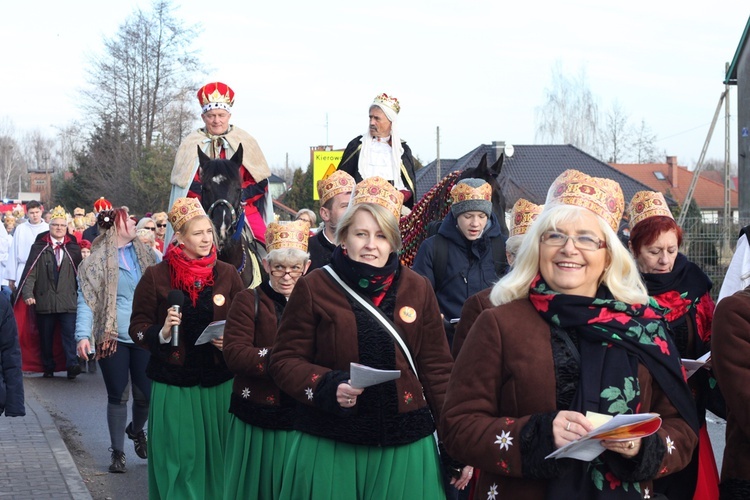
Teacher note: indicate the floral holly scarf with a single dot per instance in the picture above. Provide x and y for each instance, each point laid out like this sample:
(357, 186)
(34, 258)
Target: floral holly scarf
(614, 337)
(683, 293)
(615, 334)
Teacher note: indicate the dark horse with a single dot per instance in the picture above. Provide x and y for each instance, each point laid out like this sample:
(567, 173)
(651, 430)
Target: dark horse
(434, 205)
(221, 198)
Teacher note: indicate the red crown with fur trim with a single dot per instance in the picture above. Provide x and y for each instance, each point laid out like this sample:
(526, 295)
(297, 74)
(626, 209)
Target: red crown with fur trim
(216, 95)
(102, 204)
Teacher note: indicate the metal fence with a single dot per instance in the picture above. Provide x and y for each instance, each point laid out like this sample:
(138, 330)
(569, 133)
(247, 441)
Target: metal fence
(710, 245)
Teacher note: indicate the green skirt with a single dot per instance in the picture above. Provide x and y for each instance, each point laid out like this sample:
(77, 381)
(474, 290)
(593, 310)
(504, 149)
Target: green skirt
(187, 433)
(324, 469)
(255, 459)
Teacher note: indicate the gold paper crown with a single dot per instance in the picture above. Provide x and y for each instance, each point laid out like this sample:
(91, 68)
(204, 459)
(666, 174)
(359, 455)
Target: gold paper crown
(183, 210)
(597, 194)
(524, 213)
(58, 213)
(389, 101)
(336, 183)
(463, 192)
(647, 204)
(380, 192)
(291, 235)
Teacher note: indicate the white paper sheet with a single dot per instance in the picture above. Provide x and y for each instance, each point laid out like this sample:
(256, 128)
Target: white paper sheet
(362, 376)
(213, 331)
(588, 447)
(693, 365)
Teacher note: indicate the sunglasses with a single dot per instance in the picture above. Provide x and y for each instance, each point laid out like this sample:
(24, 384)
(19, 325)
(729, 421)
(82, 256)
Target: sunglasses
(161, 225)
(150, 228)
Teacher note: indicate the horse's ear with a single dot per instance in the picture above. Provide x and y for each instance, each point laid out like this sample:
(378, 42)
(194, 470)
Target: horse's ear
(481, 171)
(202, 157)
(497, 167)
(237, 157)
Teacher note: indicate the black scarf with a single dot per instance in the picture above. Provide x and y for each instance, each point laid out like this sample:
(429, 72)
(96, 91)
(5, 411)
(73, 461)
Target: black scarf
(613, 338)
(371, 281)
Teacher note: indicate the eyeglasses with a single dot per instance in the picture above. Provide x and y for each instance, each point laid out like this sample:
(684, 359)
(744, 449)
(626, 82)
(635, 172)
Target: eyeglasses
(582, 242)
(150, 228)
(160, 225)
(293, 272)
(58, 225)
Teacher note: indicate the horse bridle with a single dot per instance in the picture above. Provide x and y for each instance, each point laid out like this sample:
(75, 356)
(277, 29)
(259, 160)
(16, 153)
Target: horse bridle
(222, 201)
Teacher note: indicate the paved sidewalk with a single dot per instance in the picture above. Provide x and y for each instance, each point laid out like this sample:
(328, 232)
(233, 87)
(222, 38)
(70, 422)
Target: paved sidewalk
(34, 461)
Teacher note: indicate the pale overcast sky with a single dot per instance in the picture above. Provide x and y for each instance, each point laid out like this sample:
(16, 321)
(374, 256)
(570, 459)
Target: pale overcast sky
(478, 70)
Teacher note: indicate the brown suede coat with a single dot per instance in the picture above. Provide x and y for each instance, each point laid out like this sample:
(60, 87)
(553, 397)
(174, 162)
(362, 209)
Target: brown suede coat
(471, 310)
(150, 311)
(503, 375)
(318, 333)
(730, 354)
(248, 340)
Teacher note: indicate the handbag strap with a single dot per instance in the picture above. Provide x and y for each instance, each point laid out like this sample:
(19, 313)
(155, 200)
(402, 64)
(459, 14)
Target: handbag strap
(375, 313)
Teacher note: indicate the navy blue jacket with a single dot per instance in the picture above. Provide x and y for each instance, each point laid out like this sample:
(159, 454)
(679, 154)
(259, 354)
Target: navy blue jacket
(470, 268)
(11, 376)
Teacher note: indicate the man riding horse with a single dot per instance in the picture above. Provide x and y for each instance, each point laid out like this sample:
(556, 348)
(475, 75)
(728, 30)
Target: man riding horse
(218, 139)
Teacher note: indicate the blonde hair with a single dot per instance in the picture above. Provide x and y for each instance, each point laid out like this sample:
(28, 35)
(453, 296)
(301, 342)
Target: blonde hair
(621, 275)
(384, 217)
(309, 213)
(160, 216)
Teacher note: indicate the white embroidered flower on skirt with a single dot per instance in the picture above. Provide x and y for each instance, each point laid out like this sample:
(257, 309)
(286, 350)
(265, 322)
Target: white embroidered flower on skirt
(646, 493)
(492, 493)
(246, 392)
(670, 445)
(309, 393)
(139, 335)
(263, 352)
(505, 441)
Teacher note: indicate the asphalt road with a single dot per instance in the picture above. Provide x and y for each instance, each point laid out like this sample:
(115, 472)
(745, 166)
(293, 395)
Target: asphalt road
(79, 408)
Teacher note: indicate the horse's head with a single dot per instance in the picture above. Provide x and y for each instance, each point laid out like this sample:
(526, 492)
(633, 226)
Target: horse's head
(222, 192)
(490, 175)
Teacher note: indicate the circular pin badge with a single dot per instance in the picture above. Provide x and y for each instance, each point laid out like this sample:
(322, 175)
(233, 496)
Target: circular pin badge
(219, 299)
(408, 314)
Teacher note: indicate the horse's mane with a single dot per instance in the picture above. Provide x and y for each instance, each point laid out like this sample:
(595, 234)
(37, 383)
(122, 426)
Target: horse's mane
(432, 206)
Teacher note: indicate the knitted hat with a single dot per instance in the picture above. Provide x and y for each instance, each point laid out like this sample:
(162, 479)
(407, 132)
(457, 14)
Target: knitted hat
(380, 192)
(84, 244)
(471, 195)
(183, 210)
(647, 204)
(601, 196)
(336, 183)
(216, 95)
(290, 235)
(523, 215)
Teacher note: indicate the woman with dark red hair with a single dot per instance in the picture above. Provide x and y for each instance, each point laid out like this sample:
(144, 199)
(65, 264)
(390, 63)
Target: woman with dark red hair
(682, 289)
(106, 281)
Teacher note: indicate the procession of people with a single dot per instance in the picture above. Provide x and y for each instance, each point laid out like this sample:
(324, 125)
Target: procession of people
(490, 358)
